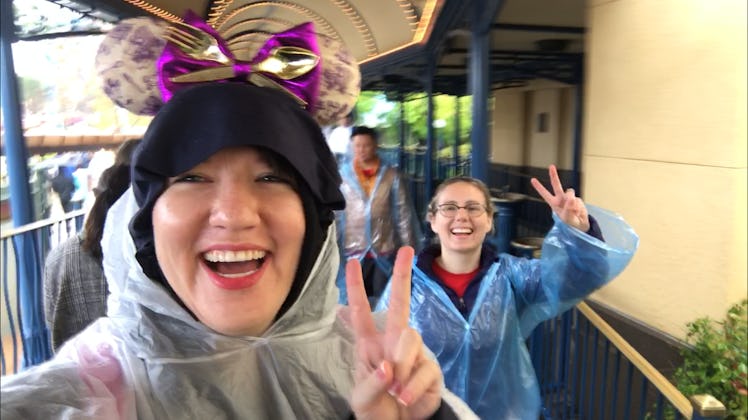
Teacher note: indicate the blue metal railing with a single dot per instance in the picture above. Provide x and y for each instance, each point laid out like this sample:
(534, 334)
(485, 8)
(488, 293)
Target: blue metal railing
(390, 154)
(414, 169)
(22, 329)
(586, 370)
(445, 167)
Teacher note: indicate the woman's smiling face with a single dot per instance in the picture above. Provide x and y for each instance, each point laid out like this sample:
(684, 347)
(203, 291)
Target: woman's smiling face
(228, 236)
(462, 232)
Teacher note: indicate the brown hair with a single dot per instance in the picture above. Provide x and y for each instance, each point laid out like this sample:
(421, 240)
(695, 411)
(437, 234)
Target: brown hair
(113, 182)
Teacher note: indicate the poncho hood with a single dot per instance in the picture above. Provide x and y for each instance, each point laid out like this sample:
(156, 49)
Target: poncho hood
(301, 362)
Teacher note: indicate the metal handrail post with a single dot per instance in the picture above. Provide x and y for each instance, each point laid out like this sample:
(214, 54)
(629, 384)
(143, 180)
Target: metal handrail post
(33, 331)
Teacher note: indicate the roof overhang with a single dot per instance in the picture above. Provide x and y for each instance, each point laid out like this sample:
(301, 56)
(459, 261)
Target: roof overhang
(397, 41)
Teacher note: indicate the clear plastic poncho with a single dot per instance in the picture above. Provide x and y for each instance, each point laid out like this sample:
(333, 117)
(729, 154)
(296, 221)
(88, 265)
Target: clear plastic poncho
(484, 358)
(378, 224)
(150, 359)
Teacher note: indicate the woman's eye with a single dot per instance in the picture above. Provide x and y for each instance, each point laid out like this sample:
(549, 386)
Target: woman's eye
(271, 178)
(188, 178)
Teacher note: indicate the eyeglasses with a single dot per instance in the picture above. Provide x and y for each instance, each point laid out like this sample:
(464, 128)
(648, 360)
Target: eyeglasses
(450, 210)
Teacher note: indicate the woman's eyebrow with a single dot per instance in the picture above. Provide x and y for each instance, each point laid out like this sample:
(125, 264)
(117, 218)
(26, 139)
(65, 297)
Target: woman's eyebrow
(467, 203)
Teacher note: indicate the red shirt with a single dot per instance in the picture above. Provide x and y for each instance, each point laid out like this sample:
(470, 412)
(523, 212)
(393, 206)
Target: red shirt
(456, 282)
(366, 176)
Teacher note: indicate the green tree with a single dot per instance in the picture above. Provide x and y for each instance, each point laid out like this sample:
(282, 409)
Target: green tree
(33, 94)
(415, 115)
(366, 104)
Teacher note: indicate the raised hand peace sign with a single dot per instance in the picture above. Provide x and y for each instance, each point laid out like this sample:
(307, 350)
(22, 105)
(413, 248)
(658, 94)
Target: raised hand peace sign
(565, 204)
(394, 376)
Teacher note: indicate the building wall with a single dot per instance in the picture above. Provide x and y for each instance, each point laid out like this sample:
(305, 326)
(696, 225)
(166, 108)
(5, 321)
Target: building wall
(565, 158)
(543, 146)
(515, 138)
(665, 146)
(507, 136)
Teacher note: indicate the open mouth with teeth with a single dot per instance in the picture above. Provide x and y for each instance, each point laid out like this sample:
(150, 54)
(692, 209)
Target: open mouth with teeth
(234, 264)
(461, 231)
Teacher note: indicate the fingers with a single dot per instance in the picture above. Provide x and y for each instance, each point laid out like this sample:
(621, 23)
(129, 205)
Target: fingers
(421, 376)
(407, 350)
(571, 202)
(372, 389)
(414, 374)
(361, 319)
(544, 193)
(579, 213)
(582, 209)
(426, 377)
(398, 313)
(570, 197)
(567, 210)
(553, 199)
(558, 190)
(393, 371)
(574, 212)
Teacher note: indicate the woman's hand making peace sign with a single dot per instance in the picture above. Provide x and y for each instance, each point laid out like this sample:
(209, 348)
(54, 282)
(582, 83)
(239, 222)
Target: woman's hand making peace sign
(565, 204)
(394, 376)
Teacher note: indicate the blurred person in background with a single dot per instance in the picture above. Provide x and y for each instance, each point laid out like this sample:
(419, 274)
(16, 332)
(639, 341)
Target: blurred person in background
(339, 139)
(378, 216)
(75, 290)
(64, 186)
(100, 161)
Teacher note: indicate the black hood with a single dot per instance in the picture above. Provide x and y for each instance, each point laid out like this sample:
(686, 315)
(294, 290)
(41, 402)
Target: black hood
(200, 121)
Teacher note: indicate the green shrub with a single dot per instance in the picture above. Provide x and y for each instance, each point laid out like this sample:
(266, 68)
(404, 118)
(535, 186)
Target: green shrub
(716, 361)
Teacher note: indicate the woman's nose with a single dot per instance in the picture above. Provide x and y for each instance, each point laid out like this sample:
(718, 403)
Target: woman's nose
(235, 207)
(462, 213)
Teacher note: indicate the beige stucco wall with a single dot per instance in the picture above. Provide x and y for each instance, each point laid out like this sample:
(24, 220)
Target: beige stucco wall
(514, 136)
(565, 152)
(543, 147)
(665, 146)
(507, 136)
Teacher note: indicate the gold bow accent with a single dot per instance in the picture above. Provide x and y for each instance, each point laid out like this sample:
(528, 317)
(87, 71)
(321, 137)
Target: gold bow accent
(283, 62)
(196, 53)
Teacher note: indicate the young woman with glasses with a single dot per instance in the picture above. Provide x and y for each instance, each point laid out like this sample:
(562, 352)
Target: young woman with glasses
(474, 308)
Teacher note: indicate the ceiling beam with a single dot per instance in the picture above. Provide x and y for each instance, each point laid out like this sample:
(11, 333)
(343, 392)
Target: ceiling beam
(54, 35)
(538, 28)
(102, 10)
(521, 53)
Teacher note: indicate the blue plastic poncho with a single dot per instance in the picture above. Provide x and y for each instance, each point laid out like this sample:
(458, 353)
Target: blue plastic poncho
(484, 358)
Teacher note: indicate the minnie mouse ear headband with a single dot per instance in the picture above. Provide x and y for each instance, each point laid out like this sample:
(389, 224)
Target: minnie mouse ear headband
(140, 70)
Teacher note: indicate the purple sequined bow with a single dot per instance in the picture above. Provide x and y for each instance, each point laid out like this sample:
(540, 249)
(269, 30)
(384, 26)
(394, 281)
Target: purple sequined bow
(177, 69)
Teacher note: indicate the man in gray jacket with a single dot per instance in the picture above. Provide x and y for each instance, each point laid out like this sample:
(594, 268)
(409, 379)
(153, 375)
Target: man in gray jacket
(378, 216)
